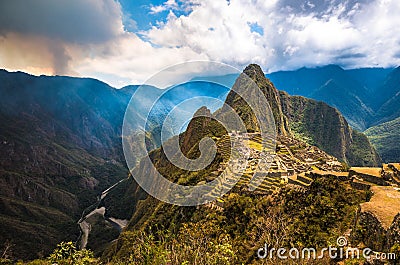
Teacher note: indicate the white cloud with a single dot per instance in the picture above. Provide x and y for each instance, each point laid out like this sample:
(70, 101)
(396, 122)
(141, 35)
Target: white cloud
(171, 5)
(353, 33)
(217, 29)
(157, 9)
(130, 60)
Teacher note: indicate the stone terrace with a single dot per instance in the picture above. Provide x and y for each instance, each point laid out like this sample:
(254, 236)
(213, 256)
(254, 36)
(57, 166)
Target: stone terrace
(384, 204)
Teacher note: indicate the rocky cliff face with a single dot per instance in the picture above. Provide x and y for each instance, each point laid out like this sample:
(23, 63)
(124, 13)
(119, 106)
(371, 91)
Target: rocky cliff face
(317, 123)
(393, 233)
(374, 235)
(311, 121)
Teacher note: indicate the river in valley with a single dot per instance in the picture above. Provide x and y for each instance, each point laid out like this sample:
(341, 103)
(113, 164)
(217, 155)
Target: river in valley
(97, 209)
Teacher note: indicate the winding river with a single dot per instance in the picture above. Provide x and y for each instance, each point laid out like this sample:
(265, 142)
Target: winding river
(94, 209)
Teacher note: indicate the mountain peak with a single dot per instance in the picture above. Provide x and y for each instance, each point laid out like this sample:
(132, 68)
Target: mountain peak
(253, 70)
(202, 111)
(255, 73)
(333, 67)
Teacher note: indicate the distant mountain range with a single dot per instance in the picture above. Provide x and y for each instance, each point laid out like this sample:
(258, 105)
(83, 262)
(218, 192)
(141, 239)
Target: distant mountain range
(363, 96)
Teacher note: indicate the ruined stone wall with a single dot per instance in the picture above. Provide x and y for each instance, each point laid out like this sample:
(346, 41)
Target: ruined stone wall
(373, 235)
(369, 178)
(393, 233)
(371, 231)
(359, 185)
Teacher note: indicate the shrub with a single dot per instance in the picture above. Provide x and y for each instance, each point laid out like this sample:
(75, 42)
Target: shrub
(66, 253)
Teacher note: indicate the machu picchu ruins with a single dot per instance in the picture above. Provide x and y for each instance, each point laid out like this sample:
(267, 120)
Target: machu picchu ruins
(296, 165)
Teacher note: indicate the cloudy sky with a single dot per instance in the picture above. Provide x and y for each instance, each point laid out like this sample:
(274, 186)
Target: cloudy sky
(126, 41)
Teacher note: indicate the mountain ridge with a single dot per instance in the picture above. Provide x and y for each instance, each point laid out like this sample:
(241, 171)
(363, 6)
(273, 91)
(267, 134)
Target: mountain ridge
(61, 146)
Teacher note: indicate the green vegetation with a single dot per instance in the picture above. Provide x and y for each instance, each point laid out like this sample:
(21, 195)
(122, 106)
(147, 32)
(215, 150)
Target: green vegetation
(193, 244)
(28, 222)
(160, 233)
(299, 132)
(396, 250)
(66, 253)
(385, 137)
(51, 214)
(255, 145)
(318, 124)
(56, 162)
(57, 156)
(179, 235)
(323, 213)
(361, 152)
(101, 234)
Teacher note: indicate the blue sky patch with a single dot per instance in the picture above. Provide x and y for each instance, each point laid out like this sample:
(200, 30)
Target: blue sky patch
(254, 27)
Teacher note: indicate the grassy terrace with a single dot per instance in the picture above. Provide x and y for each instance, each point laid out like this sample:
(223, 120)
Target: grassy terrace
(384, 204)
(300, 180)
(327, 173)
(285, 159)
(224, 146)
(269, 184)
(254, 145)
(257, 138)
(372, 171)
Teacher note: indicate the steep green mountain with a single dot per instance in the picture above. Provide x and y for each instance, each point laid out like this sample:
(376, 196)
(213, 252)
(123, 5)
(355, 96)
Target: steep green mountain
(385, 138)
(371, 78)
(311, 121)
(240, 106)
(383, 131)
(349, 103)
(366, 97)
(319, 124)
